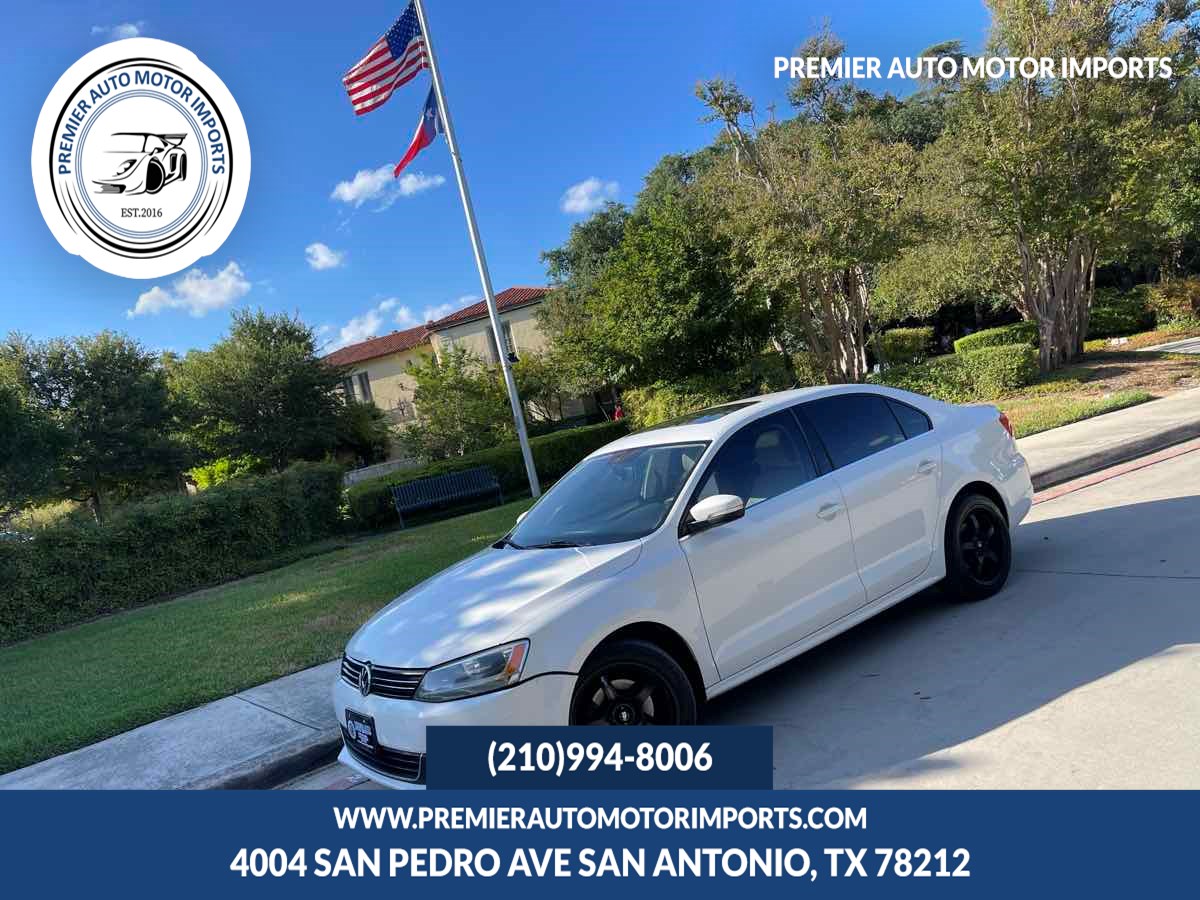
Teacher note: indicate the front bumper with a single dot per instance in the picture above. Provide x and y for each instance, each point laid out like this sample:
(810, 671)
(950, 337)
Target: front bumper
(400, 724)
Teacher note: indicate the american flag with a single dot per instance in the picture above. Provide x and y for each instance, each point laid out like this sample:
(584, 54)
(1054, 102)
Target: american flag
(393, 60)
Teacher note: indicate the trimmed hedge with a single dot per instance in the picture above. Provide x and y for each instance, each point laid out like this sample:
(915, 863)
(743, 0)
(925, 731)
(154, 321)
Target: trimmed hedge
(1178, 298)
(1016, 333)
(73, 571)
(1119, 313)
(899, 346)
(973, 376)
(554, 454)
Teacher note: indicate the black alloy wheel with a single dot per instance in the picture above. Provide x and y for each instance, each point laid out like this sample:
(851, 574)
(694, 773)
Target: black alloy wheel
(633, 682)
(978, 549)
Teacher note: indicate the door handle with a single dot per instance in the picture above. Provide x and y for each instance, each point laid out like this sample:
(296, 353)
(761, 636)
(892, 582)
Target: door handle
(927, 467)
(829, 511)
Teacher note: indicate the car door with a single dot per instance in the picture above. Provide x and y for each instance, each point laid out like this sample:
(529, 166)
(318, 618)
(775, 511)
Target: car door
(888, 473)
(784, 569)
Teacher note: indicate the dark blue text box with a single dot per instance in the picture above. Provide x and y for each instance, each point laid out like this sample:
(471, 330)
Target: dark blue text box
(545, 758)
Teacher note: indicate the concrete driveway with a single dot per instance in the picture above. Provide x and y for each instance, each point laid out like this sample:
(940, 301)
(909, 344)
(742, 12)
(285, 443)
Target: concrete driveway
(1083, 673)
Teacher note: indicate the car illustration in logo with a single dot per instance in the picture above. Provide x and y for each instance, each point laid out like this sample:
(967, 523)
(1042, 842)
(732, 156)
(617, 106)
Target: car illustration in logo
(147, 168)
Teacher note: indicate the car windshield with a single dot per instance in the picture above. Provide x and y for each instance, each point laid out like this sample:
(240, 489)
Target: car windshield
(619, 496)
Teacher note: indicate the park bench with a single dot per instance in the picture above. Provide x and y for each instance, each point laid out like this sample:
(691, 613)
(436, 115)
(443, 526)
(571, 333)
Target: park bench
(436, 490)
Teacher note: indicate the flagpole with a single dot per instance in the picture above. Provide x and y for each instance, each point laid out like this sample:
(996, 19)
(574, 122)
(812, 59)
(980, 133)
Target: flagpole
(480, 260)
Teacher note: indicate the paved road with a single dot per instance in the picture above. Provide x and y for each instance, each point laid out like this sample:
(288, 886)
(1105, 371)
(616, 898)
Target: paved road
(1188, 345)
(1083, 673)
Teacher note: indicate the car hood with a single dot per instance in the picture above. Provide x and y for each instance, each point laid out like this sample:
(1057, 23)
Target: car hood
(487, 599)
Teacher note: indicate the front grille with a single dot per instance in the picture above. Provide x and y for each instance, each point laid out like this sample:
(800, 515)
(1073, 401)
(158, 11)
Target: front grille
(398, 684)
(407, 765)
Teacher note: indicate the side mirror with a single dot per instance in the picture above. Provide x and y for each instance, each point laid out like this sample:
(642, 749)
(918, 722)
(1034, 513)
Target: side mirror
(713, 511)
(522, 516)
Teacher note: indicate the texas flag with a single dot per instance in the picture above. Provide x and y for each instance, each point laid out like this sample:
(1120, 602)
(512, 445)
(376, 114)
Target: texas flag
(428, 128)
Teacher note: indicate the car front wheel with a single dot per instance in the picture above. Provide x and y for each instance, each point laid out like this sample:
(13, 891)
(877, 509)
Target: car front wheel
(632, 682)
(978, 549)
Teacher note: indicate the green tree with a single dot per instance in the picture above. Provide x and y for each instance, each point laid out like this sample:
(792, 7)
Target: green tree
(364, 432)
(573, 269)
(1068, 170)
(262, 391)
(814, 205)
(114, 422)
(30, 445)
(669, 303)
(462, 404)
(540, 384)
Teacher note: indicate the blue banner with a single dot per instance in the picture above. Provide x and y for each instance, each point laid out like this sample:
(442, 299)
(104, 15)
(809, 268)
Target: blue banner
(784, 843)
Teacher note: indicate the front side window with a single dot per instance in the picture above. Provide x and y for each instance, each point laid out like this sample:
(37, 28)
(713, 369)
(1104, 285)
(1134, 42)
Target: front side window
(762, 460)
(619, 496)
(853, 426)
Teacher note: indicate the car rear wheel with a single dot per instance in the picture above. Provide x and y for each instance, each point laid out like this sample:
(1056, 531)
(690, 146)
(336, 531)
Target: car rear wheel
(632, 682)
(154, 178)
(978, 549)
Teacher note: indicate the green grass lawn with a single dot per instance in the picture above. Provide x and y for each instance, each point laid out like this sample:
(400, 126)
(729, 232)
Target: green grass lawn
(78, 686)
(1050, 411)
(1102, 381)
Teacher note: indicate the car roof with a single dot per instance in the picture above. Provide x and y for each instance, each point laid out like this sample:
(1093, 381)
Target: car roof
(713, 427)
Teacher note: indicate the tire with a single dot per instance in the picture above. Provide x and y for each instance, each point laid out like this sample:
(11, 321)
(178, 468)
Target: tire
(978, 549)
(183, 168)
(154, 178)
(632, 682)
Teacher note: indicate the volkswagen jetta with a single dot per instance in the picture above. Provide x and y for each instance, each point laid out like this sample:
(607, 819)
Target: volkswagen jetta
(680, 561)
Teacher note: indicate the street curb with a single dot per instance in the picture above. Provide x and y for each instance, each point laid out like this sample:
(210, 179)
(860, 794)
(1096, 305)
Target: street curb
(1114, 455)
(273, 768)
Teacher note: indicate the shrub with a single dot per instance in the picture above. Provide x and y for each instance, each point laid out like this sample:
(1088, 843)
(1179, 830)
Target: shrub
(899, 346)
(227, 467)
(1016, 333)
(76, 570)
(553, 455)
(662, 400)
(1120, 313)
(1175, 299)
(973, 376)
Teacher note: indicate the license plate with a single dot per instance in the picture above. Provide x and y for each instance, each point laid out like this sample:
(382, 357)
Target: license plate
(361, 729)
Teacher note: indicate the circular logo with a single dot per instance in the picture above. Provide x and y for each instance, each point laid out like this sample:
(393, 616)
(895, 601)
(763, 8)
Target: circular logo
(364, 679)
(140, 159)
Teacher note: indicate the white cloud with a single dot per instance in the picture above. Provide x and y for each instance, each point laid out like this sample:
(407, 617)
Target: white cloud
(321, 256)
(386, 316)
(588, 195)
(358, 329)
(117, 32)
(378, 184)
(195, 292)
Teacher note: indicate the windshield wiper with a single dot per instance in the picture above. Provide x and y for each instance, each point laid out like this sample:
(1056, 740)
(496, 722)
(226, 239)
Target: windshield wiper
(506, 541)
(553, 545)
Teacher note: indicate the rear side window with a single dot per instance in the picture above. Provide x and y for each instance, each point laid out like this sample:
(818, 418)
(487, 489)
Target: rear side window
(911, 419)
(853, 426)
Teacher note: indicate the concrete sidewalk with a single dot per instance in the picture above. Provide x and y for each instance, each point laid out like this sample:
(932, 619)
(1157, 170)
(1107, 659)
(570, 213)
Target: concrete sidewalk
(1061, 454)
(255, 739)
(277, 731)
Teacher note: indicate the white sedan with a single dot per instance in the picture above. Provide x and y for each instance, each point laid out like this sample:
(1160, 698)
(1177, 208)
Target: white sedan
(679, 562)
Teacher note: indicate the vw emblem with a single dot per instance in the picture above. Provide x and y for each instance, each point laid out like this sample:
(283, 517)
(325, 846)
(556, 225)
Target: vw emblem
(364, 679)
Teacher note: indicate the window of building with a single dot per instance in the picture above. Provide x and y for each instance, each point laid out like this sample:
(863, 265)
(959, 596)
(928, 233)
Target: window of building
(510, 345)
(364, 387)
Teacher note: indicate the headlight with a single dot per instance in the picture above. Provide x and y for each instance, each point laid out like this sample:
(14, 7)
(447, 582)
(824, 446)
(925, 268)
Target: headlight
(489, 670)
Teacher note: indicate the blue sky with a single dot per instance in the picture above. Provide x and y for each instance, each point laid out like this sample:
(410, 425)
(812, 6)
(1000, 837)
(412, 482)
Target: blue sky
(546, 95)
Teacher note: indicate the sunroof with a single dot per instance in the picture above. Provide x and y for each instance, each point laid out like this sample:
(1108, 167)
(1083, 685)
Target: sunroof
(702, 415)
